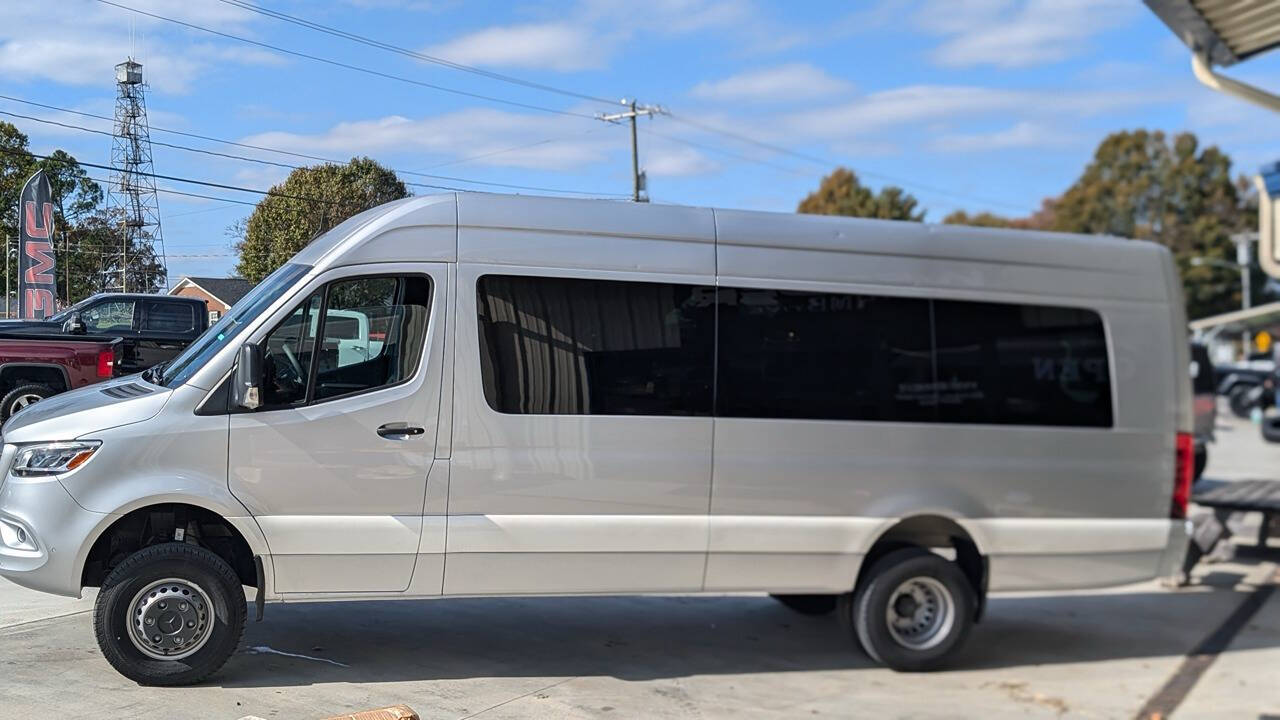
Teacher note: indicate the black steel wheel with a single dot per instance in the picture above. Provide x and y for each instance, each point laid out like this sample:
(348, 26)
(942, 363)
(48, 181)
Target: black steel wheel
(169, 615)
(911, 611)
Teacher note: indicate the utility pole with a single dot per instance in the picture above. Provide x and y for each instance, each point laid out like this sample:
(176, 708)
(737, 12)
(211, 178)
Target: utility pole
(639, 193)
(1244, 258)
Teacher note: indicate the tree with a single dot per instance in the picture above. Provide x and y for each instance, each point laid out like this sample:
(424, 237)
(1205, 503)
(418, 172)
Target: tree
(1141, 184)
(1041, 219)
(840, 193)
(87, 242)
(309, 202)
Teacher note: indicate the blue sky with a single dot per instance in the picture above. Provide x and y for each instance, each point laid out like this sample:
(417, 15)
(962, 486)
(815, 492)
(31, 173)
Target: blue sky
(973, 104)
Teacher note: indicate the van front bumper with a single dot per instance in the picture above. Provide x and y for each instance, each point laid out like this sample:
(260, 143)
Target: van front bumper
(43, 532)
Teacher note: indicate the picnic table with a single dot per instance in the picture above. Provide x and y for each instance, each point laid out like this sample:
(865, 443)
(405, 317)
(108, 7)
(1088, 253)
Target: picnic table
(1225, 499)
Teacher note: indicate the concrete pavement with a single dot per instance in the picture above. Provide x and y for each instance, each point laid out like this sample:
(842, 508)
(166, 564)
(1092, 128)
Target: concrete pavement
(1080, 655)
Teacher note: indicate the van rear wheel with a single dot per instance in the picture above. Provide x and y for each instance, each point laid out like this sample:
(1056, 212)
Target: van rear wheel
(912, 610)
(169, 615)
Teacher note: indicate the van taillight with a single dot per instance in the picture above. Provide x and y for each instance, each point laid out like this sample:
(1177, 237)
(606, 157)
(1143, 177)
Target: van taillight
(106, 363)
(1183, 469)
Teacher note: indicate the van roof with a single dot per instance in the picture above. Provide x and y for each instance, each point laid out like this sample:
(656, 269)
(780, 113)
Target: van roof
(602, 234)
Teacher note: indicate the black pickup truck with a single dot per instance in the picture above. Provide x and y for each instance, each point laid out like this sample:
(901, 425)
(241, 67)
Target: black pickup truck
(152, 328)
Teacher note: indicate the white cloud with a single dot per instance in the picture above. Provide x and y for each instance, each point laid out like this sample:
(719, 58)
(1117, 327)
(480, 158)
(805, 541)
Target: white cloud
(669, 16)
(932, 103)
(553, 46)
(591, 32)
(794, 81)
(513, 138)
(92, 38)
(678, 162)
(1018, 33)
(1023, 134)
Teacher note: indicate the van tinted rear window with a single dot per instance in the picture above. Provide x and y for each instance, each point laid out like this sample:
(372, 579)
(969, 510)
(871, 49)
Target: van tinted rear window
(824, 356)
(1011, 364)
(578, 347)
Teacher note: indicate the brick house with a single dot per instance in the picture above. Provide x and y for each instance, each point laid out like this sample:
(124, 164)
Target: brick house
(219, 294)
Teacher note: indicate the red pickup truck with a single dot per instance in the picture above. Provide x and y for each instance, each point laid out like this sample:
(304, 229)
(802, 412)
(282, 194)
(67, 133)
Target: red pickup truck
(34, 367)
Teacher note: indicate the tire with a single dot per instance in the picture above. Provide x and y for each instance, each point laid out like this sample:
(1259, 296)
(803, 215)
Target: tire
(1238, 400)
(176, 567)
(21, 396)
(808, 604)
(1201, 460)
(866, 610)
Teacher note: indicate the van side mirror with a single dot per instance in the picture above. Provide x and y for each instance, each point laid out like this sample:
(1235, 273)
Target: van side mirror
(245, 382)
(73, 325)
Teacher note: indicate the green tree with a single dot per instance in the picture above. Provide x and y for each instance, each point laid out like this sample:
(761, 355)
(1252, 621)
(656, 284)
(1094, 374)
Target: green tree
(1042, 219)
(840, 193)
(1142, 184)
(87, 242)
(309, 202)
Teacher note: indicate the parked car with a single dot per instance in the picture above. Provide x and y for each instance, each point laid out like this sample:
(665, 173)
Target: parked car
(886, 420)
(1246, 385)
(34, 367)
(152, 328)
(1204, 404)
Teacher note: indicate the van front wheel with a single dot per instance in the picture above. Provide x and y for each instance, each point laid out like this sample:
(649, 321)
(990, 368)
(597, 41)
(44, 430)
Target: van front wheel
(912, 610)
(169, 615)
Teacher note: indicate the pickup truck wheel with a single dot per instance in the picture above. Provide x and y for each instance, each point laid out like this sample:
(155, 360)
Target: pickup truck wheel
(22, 396)
(169, 615)
(1238, 401)
(911, 611)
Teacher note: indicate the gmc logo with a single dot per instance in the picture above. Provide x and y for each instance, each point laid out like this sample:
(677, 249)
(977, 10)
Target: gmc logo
(41, 263)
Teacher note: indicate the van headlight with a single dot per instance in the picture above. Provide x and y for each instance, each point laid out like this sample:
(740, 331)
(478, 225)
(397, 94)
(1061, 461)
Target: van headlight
(53, 458)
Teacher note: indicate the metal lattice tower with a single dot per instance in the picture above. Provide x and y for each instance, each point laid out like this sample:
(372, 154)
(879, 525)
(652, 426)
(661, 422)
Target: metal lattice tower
(132, 191)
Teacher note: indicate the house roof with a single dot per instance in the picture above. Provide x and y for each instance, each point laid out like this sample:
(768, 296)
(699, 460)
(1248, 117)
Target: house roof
(226, 290)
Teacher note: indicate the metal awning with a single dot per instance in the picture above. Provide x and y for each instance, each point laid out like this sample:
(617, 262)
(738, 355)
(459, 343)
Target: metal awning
(1259, 316)
(1223, 31)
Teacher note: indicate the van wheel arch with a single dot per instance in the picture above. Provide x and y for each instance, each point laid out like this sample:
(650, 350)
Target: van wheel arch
(157, 524)
(932, 532)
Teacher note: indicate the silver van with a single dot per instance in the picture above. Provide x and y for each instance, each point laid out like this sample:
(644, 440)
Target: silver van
(881, 420)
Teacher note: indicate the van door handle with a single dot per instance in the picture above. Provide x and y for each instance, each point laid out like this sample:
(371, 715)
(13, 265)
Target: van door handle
(399, 430)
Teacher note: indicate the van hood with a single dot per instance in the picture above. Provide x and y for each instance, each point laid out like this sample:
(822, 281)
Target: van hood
(90, 409)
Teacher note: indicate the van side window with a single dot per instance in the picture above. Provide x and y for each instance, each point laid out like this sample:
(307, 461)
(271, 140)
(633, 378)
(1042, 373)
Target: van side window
(374, 332)
(576, 347)
(1008, 364)
(824, 356)
(287, 354)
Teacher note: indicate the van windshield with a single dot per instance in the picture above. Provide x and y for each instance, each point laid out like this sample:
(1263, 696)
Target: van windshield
(226, 329)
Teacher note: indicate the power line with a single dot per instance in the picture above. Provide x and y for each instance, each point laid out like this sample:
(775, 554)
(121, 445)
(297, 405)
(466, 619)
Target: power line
(173, 178)
(372, 42)
(348, 66)
(232, 156)
(525, 146)
(727, 153)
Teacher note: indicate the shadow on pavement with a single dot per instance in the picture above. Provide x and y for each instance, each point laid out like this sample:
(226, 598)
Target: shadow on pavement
(643, 638)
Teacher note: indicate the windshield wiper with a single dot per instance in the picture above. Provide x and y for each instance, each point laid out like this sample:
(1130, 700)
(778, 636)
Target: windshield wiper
(155, 373)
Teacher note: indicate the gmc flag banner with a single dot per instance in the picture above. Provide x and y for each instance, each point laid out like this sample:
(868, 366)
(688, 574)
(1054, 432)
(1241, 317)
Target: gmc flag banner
(36, 289)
